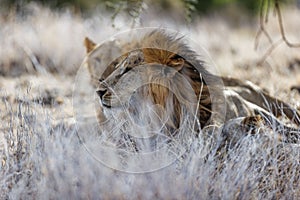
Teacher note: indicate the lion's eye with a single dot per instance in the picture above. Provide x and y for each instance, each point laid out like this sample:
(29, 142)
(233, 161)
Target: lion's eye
(176, 57)
(125, 70)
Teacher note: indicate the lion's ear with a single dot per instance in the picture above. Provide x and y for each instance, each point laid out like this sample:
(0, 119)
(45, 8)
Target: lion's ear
(89, 44)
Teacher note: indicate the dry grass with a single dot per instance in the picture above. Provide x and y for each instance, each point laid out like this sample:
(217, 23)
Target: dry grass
(41, 156)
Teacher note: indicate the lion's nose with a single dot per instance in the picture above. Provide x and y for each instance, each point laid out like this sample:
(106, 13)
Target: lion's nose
(101, 93)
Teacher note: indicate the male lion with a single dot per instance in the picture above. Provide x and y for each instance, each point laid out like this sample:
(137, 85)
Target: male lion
(161, 70)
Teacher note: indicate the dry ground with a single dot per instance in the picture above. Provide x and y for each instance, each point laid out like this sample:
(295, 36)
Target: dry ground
(40, 154)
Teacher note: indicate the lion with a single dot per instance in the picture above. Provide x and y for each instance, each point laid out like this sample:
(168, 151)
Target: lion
(162, 70)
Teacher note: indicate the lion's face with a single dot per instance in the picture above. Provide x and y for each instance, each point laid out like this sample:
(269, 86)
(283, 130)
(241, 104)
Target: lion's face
(136, 85)
(151, 78)
(121, 81)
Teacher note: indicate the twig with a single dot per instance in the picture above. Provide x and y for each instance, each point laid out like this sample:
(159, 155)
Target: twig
(269, 51)
(263, 19)
(282, 32)
(262, 30)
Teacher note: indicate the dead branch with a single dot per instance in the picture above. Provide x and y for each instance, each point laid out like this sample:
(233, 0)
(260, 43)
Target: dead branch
(264, 15)
(282, 32)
